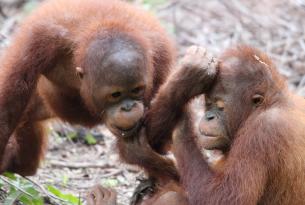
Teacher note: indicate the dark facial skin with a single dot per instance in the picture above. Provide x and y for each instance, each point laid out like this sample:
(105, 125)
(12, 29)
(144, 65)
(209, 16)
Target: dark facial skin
(123, 117)
(120, 83)
(220, 109)
(211, 126)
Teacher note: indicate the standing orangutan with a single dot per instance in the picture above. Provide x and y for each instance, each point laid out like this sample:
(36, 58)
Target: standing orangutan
(252, 116)
(86, 62)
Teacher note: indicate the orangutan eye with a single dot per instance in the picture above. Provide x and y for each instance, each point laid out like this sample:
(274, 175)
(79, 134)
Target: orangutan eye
(136, 90)
(116, 94)
(257, 99)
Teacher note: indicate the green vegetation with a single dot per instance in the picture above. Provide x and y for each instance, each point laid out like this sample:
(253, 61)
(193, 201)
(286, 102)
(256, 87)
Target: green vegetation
(29, 193)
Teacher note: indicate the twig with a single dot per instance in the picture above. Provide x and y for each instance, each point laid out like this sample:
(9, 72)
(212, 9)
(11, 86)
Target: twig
(17, 187)
(47, 193)
(114, 173)
(77, 165)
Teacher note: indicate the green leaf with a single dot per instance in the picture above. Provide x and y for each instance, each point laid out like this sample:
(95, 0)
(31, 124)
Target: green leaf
(54, 190)
(12, 197)
(10, 175)
(67, 197)
(35, 197)
(31, 189)
(90, 139)
(72, 135)
(31, 201)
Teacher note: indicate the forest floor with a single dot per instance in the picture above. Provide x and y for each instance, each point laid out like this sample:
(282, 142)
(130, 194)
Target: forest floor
(274, 26)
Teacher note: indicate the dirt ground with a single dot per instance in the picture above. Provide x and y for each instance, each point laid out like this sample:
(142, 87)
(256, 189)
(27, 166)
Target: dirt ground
(275, 26)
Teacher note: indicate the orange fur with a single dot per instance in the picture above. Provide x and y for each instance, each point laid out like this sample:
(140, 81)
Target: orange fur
(265, 160)
(39, 80)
